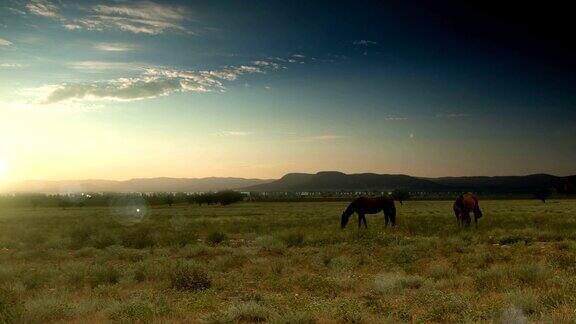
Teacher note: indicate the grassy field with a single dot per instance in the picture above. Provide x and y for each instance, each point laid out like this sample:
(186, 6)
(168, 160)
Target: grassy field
(288, 263)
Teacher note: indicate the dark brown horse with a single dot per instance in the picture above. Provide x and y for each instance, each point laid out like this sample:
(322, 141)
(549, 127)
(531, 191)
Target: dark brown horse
(365, 205)
(465, 204)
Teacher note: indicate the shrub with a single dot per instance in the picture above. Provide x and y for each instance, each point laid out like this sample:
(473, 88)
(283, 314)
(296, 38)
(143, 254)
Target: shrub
(294, 317)
(442, 306)
(184, 237)
(294, 239)
(270, 244)
(249, 312)
(349, 312)
(440, 271)
(139, 237)
(492, 279)
(513, 315)
(392, 282)
(74, 274)
(228, 262)
(319, 285)
(341, 263)
(215, 238)
(48, 308)
(80, 236)
(103, 240)
(514, 238)
(103, 275)
(186, 277)
(140, 309)
(526, 300)
(10, 306)
(530, 273)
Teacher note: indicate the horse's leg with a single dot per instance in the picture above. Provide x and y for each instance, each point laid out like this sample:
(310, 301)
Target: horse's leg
(364, 220)
(386, 219)
(393, 219)
(468, 220)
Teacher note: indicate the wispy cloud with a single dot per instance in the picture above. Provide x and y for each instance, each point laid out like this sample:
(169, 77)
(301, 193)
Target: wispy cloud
(364, 42)
(99, 66)
(115, 47)
(12, 65)
(395, 118)
(234, 133)
(326, 137)
(452, 115)
(318, 138)
(153, 82)
(136, 17)
(44, 8)
(5, 42)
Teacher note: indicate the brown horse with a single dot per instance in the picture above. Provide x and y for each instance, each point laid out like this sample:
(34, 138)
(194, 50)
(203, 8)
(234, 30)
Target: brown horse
(465, 204)
(365, 205)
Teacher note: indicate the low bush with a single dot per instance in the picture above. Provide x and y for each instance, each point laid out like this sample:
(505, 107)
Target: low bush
(187, 277)
(216, 237)
(393, 282)
(294, 239)
(103, 275)
(11, 308)
(270, 244)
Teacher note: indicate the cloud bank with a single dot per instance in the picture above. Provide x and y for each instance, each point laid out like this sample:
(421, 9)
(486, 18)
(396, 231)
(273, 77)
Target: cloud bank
(153, 82)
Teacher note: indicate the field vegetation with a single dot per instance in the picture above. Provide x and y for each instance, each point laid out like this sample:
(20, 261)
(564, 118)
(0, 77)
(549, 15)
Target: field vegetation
(287, 263)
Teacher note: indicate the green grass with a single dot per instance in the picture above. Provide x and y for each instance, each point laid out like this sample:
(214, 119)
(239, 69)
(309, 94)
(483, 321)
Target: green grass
(289, 263)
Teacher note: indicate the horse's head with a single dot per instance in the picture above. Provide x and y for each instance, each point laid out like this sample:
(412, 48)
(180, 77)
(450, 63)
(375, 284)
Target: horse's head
(344, 220)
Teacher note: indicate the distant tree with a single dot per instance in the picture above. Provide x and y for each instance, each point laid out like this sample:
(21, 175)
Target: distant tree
(400, 195)
(63, 203)
(191, 199)
(169, 200)
(228, 197)
(542, 194)
(34, 203)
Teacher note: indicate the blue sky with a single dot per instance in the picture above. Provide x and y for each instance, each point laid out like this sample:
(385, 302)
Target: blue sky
(122, 89)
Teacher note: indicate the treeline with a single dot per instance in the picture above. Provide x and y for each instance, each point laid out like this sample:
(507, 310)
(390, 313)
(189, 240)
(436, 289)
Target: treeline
(226, 197)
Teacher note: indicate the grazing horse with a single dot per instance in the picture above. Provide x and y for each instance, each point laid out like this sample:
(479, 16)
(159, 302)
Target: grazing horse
(365, 205)
(465, 204)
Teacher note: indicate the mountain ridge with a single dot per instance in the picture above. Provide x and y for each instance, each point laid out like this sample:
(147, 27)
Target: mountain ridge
(320, 181)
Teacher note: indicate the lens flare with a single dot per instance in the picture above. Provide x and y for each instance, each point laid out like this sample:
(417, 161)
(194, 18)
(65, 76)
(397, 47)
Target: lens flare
(129, 209)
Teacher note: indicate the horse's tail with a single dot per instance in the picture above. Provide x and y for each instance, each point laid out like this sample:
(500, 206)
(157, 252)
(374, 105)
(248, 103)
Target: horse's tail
(347, 213)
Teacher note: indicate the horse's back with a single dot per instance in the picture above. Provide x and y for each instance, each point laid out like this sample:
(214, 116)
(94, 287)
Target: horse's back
(469, 201)
(370, 205)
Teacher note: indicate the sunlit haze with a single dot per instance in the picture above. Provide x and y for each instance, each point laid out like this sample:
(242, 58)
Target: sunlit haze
(119, 90)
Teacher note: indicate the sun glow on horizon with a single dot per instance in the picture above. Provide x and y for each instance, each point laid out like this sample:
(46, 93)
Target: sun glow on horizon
(3, 169)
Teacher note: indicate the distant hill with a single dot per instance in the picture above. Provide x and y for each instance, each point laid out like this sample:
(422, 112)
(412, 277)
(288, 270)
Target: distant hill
(136, 185)
(321, 181)
(336, 181)
(508, 184)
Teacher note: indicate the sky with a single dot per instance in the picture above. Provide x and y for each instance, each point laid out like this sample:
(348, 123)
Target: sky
(257, 89)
